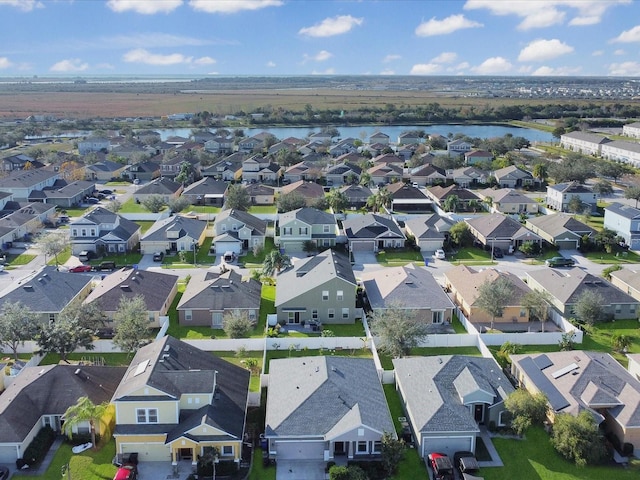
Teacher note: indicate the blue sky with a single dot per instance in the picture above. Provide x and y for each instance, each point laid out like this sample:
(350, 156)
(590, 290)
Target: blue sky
(304, 37)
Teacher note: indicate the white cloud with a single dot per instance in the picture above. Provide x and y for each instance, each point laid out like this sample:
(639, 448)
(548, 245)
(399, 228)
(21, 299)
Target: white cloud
(387, 72)
(5, 62)
(493, 65)
(321, 56)
(151, 40)
(546, 71)
(232, 6)
(541, 50)
(629, 36)
(425, 69)
(330, 27)
(625, 69)
(24, 5)
(391, 58)
(619, 52)
(145, 7)
(204, 61)
(140, 55)
(328, 71)
(271, 64)
(69, 65)
(445, 26)
(462, 66)
(598, 53)
(445, 57)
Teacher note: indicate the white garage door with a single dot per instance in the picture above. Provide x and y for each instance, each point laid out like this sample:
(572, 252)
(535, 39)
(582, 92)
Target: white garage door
(448, 445)
(148, 452)
(363, 246)
(293, 246)
(8, 454)
(300, 450)
(235, 247)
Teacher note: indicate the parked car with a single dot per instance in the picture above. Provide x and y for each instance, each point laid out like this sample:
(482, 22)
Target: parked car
(81, 268)
(441, 465)
(106, 192)
(93, 201)
(467, 465)
(4, 473)
(560, 262)
(86, 255)
(105, 333)
(497, 252)
(107, 266)
(126, 472)
(158, 256)
(439, 254)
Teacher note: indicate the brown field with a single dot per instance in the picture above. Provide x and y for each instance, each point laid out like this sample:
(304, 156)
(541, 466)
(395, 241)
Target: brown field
(118, 104)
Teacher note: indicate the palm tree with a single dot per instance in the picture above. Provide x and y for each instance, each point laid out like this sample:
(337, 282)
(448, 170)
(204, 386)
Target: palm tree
(274, 262)
(365, 179)
(84, 411)
(379, 200)
(450, 203)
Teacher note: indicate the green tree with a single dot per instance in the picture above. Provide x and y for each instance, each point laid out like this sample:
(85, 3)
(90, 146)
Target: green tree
(380, 200)
(275, 261)
(53, 243)
(451, 203)
(526, 409)
(460, 234)
(337, 200)
(237, 324)
(606, 273)
(309, 246)
(540, 171)
(575, 205)
(633, 193)
(493, 296)
(290, 201)
(399, 330)
(602, 188)
(392, 452)
(351, 472)
(612, 170)
(237, 198)
(114, 206)
(620, 342)
(185, 174)
(153, 203)
(131, 323)
(365, 179)
(538, 303)
(577, 438)
(18, 323)
(558, 132)
(588, 307)
(65, 336)
(178, 204)
(85, 411)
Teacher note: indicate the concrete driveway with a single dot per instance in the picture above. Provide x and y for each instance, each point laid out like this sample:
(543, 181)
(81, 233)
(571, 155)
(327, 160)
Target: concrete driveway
(300, 470)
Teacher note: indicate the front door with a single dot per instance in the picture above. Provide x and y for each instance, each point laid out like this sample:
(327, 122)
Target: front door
(340, 449)
(186, 454)
(478, 412)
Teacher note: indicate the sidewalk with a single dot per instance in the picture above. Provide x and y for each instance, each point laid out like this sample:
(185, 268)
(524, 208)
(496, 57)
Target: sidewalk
(496, 461)
(46, 461)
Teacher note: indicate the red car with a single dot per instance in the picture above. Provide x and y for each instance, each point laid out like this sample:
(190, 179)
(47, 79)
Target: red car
(441, 466)
(126, 472)
(80, 268)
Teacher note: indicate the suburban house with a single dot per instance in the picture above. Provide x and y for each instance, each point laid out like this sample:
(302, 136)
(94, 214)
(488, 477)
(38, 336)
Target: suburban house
(429, 231)
(347, 145)
(409, 287)
(260, 194)
(49, 291)
(163, 187)
(24, 220)
(320, 409)
(463, 283)
(631, 130)
(625, 220)
(236, 230)
(459, 146)
(64, 194)
(177, 402)
(468, 177)
(93, 144)
(172, 166)
(20, 183)
(219, 144)
(566, 286)
(105, 170)
(305, 224)
(173, 234)
(560, 195)
(508, 200)
(260, 169)
(372, 232)
(39, 396)
(157, 289)
(498, 230)
(447, 397)
(379, 137)
(407, 198)
(477, 156)
(250, 145)
(589, 381)
(301, 171)
(312, 192)
(409, 138)
(427, 175)
(464, 197)
(143, 171)
(19, 162)
(228, 169)
(627, 280)
(342, 174)
(583, 142)
(357, 195)
(513, 177)
(103, 231)
(561, 229)
(321, 289)
(209, 296)
(207, 191)
(385, 173)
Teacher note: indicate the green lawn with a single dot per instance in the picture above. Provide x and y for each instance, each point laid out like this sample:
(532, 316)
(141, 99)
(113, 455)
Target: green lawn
(204, 209)
(202, 255)
(535, 459)
(255, 261)
(88, 465)
(109, 359)
(144, 225)
(398, 257)
(131, 206)
(256, 209)
(387, 363)
(232, 357)
(62, 257)
(471, 256)
(22, 259)
(75, 211)
(599, 338)
(457, 326)
(258, 471)
(613, 258)
(306, 352)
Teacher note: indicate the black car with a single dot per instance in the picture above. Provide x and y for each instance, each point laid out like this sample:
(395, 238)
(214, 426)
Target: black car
(560, 262)
(498, 253)
(106, 192)
(467, 465)
(4, 473)
(93, 201)
(158, 256)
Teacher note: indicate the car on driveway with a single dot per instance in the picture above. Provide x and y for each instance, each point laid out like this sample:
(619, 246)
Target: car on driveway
(81, 268)
(93, 201)
(440, 255)
(126, 472)
(560, 262)
(441, 466)
(467, 465)
(158, 256)
(498, 253)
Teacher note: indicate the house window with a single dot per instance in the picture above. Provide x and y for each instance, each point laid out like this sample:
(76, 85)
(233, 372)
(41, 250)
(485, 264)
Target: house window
(216, 320)
(93, 232)
(339, 295)
(188, 315)
(291, 317)
(377, 447)
(325, 295)
(363, 448)
(503, 418)
(84, 232)
(74, 232)
(152, 317)
(523, 312)
(227, 450)
(304, 230)
(224, 227)
(326, 228)
(345, 313)
(147, 415)
(121, 248)
(314, 314)
(252, 315)
(632, 309)
(234, 227)
(437, 316)
(618, 308)
(287, 231)
(331, 313)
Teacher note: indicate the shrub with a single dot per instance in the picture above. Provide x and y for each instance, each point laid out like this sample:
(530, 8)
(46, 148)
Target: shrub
(39, 446)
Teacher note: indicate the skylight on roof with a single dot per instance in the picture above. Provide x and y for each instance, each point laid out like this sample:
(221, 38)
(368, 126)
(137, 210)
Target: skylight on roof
(142, 366)
(563, 371)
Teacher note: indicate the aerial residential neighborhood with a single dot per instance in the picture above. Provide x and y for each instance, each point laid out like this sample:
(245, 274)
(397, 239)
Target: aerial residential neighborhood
(242, 309)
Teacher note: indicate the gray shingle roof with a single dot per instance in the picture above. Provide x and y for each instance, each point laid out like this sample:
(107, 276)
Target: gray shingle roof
(26, 178)
(310, 216)
(218, 292)
(498, 225)
(258, 226)
(557, 224)
(186, 227)
(159, 186)
(371, 226)
(626, 211)
(425, 227)
(324, 396)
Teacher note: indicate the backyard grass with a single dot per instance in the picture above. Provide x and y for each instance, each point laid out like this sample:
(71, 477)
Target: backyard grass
(22, 259)
(471, 256)
(259, 471)
(599, 337)
(387, 363)
(204, 209)
(398, 257)
(88, 465)
(257, 209)
(144, 225)
(307, 352)
(613, 257)
(457, 326)
(109, 359)
(232, 357)
(62, 257)
(75, 211)
(255, 261)
(131, 206)
(534, 458)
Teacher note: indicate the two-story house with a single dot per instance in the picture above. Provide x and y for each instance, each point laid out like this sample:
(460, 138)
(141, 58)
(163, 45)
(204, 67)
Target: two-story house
(583, 142)
(297, 226)
(177, 403)
(321, 289)
(103, 231)
(236, 230)
(625, 220)
(260, 169)
(342, 174)
(560, 195)
(94, 144)
(20, 183)
(174, 234)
